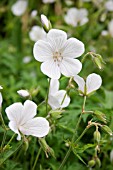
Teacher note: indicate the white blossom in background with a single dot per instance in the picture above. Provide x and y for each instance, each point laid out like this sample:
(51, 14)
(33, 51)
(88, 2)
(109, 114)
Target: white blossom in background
(19, 7)
(109, 5)
(110, 28)
(37, 33)
(23, 93)
(93, 82)
(48, 1)
(26, 59)
(111, 156)
(1, 99)
(57, 98)
(57, 54)
(34, 13)
(22, 120)
(76, 16)
(104, 33)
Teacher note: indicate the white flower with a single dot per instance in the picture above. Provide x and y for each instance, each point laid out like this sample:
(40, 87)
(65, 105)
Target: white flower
(37, 33)
(19, 7)
(22, 120)
(57, 98)
(34, 13)
(57, 54)
(23, 93)
(109, 5)
(48, 1)
(104, 33)
(111, 156)
(26, 59)
(110, 28)
(1, 99)
(76, 16)
(93, 82)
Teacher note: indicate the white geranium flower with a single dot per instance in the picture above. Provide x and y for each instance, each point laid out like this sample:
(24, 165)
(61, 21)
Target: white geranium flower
(56, 97)
(104, 33)
(22, 120)
(93, 82)
(26, 59)
(23, 93)
(37, 33)
(19, 7)
(57, 54)
(34, 13)
(109, 5)
(110, 28)
(76, 16)
(1, 99)
(48, 1)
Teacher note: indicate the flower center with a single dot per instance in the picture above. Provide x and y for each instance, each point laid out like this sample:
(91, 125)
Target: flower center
(57, 57)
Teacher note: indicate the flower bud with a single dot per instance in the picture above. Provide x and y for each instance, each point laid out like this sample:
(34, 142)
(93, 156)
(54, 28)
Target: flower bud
(23, 93)
(97, 136)
(98, 162)
(101, 116)
(91, 163)
(107, 130)
(25, 145)
(45, 23)
(98, 60)
(56, 114)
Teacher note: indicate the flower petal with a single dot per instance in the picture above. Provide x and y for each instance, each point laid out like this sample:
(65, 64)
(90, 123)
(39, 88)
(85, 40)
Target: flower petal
(57, 39)
(71, 17)
(53, 102)
(42, 51)
(14, 128)
(93, 82)
(80, 81)
(63, 100)
(51, 69)
(70, 67)
(54, 86)
(29, 111)
(73, 48)
(1, 99)
(14, 112)
(38, 127)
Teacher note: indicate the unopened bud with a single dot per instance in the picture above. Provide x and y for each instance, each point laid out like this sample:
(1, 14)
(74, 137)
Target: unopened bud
(97, 136)
(107, 130)
(25, 145)
(98, 162)
(91, 163)
(56, 114)
(45, 23)
(101, 116)
(98, 60)
(23, 93)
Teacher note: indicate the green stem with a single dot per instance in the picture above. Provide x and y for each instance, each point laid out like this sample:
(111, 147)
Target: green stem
(2, 120)
(84, 57)
(4, 138)
(74, 135)
(36, 158)
(9, 141)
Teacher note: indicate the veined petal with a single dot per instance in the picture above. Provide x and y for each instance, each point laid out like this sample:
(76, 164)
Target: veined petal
(38, 127)
(80, 81)
(14, 128)
(53, 102)
(73, 48)
(57, 39)
(42, 51)
(54, 86)
(70, 67)
(14, 112)
(63, 98)
(51, 69)
(29, 111)
(93, 82)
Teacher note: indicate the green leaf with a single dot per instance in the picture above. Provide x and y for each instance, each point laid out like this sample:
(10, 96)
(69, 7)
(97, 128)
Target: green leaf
(79, 157)
(77, 149)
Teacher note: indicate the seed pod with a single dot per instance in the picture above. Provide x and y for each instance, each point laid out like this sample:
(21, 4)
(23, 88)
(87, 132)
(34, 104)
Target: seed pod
(91, 163)
(98, 162)
(97, 136)
(107, 130)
